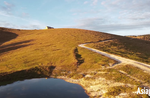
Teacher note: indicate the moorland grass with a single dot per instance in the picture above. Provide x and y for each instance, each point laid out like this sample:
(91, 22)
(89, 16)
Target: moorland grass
(135, 72)
(115, 75)
(116, 90)
(142, 37)
(32, 53)
(53, 47)
(135, 49)
(93, 61)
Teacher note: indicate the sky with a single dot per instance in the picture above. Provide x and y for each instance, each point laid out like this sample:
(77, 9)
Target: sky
(121, 17)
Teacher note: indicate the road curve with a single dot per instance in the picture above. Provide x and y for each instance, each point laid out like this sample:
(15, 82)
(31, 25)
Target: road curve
(121, 60)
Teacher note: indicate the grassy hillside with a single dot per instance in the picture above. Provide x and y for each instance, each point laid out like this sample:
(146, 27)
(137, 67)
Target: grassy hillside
(135, 49)
(26, 54)
(25, 49)
(143, 37)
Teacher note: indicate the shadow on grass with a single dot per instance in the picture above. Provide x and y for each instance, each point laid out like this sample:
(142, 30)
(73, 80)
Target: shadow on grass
(6, 36)
(13, 46)
(37, 72)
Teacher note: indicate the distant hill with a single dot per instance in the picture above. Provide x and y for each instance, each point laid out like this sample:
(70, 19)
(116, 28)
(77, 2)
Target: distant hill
(143, 37)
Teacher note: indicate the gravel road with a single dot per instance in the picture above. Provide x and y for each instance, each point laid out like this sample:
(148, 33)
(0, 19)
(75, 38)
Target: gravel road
(121, 60)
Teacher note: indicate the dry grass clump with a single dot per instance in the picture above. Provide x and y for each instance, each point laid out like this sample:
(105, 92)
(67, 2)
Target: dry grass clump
(75, 75)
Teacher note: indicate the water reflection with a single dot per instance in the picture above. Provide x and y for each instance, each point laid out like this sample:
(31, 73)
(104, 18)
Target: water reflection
(42, 88)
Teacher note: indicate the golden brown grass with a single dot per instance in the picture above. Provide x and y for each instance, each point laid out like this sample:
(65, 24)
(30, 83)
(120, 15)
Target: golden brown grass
(135, 49)
(93, 61)
(47, 47)
(115, 75)
(32, 53)
(142, 37)
(135, 72)
(116, 90)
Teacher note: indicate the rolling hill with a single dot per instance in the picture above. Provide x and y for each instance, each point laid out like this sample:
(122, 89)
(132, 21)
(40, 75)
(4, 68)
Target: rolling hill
(26, 54)
(25, 49)
(132, 48)
(143, 37)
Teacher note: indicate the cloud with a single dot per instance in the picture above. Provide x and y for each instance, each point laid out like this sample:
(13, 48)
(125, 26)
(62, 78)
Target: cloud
(94, 21)
(88, 13)
(69, 0)
(7, 24)
(117, 15)
(94, 2)
(31, 25)
(7, 8)
(12, 21)
(103, 24)
(8, 4)
(14, 17)
(24, 15)
(135, 16)
(35, 24)
(19, 21)
(85, 2)
(44, 2)
(131, 5)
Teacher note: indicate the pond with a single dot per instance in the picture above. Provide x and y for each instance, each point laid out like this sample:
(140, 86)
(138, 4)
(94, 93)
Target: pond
(42, 88)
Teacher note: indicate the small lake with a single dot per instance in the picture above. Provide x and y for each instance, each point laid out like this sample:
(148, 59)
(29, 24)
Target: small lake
(42, 88)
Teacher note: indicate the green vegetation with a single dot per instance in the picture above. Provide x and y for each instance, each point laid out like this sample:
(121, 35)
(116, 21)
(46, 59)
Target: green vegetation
(126, 47)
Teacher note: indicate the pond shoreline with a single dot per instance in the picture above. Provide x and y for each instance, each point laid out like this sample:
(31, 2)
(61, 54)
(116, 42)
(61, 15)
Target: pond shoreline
(90, 90)
(96, 88)
(92, 82)
(74, 81)
(42, 88)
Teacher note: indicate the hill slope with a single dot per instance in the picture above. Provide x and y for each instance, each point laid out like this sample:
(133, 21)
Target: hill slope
(26, 54)
(57, 47)
(143, 37)
(135, 49)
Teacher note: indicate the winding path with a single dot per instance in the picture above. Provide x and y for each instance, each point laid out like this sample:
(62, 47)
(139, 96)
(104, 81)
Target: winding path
(121, 60)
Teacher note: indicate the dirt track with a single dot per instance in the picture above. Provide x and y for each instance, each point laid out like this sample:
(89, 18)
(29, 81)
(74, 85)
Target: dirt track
(121, 60)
